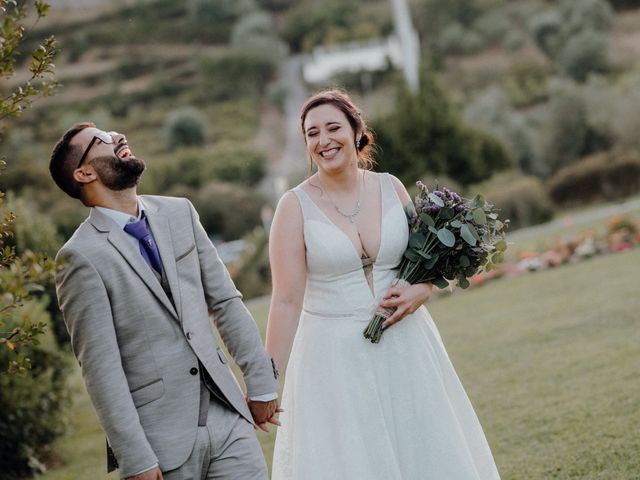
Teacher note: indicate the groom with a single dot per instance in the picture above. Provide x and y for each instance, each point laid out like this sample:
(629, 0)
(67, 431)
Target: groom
(139, 281)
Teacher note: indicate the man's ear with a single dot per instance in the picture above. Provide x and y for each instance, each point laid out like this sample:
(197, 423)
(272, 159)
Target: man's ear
(85, 174)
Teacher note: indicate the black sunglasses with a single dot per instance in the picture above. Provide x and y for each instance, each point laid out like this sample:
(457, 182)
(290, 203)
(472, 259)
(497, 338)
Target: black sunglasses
(104, 137)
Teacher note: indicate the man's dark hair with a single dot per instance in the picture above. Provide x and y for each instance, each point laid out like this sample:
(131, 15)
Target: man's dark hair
(65, 158)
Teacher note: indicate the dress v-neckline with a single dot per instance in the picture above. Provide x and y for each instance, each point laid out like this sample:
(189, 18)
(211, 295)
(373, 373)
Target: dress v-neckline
(363, 255)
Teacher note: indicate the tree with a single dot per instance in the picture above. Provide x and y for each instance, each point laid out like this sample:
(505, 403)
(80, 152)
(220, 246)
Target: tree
(424, 135)
(21, 275)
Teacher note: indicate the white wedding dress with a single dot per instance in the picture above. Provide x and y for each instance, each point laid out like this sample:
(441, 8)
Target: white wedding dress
(361, 411)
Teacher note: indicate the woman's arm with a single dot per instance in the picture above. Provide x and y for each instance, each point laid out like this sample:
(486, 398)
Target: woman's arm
(287, 257)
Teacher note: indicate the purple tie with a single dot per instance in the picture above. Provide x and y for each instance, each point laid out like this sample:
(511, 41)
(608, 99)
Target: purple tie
(148, 248)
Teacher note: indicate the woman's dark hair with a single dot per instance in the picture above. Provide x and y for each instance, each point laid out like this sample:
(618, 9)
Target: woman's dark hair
(64, 159)
(343, 102)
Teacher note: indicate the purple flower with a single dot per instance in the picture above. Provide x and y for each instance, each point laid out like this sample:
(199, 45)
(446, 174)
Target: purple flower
(460, 207)
(439, 193)
(422, 186)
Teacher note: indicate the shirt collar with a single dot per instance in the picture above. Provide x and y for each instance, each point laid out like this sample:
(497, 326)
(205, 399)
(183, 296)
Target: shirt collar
(122, 218)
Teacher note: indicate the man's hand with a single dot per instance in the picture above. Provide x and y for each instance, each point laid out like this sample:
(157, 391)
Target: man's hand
(264, 413)
(153, 474)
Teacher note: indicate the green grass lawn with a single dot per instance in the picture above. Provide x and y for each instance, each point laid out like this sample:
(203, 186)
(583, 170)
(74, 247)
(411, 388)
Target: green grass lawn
(550, 361)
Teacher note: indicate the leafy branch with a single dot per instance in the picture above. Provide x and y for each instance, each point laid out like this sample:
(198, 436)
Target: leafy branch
(21, 276)
(41, 66)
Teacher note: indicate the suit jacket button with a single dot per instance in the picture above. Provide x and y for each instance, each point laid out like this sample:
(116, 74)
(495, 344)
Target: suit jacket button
(193, 371)
(189, 335)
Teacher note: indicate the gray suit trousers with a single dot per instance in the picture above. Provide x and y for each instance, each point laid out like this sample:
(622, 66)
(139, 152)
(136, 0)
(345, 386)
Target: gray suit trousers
(225, 449)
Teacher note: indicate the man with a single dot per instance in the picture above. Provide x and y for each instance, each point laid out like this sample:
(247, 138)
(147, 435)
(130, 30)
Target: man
(140, 279)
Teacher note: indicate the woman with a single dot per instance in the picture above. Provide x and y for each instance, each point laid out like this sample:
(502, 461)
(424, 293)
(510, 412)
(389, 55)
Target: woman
(356, 410)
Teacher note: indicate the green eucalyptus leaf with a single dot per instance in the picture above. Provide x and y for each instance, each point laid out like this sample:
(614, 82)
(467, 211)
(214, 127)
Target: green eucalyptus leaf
(479, 200)
(412, 255)
(433, 230)
(436, 199)
(479, 216)
(463, 283)
(474, 232)
(427, 220)
(464, 261)
(467, 236)
(501, 246)
(417, 240)
(446, 237)
(456, 224)
(447, 213)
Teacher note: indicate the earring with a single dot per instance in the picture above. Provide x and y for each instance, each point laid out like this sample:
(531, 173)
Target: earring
(358, 143)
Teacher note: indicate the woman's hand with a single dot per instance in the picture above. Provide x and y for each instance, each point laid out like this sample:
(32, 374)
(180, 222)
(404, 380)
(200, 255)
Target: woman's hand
(405, 300)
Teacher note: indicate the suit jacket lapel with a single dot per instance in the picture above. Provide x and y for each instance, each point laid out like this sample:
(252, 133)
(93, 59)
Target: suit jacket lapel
(161, 230)
(118, 238)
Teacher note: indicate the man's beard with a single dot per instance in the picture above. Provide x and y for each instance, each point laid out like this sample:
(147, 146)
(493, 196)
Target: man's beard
(117, 174)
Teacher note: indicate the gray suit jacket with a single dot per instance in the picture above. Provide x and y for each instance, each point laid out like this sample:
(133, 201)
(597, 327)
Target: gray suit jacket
(140, 352)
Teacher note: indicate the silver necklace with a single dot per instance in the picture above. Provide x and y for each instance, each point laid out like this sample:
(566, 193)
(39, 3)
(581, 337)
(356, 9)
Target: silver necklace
(351, 216)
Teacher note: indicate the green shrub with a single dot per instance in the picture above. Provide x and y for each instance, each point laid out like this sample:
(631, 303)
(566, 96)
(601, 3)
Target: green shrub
(185, 127)
(626, 122)
(575, 35)
(457, 40)
(32, 406)
(523, 200)
(493, 26)
(211, 20)
(492, 112)
(606, 176)
(255, 33)
(514, 40)
(75, 46)
(624, 4)
(228, 211)
(25, 174)
(229, 162)
(567, 128)
(32, 230)
(252, 274)
(546, 29)
(134, 65)
(527, 83)
(584, 53)
(234, 75)
(225, 162)
(277, 5)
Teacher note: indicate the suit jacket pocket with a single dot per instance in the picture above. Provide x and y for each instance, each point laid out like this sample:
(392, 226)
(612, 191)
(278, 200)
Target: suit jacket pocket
(186, 252)
(147, 393)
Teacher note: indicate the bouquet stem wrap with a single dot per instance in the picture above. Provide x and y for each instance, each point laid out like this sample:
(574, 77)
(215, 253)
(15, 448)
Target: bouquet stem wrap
(374, 330)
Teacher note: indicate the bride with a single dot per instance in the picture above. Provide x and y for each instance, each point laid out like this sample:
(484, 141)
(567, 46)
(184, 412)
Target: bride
(352, 409)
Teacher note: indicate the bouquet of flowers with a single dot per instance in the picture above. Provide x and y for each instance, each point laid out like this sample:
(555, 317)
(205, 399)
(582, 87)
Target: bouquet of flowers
(450, 238)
